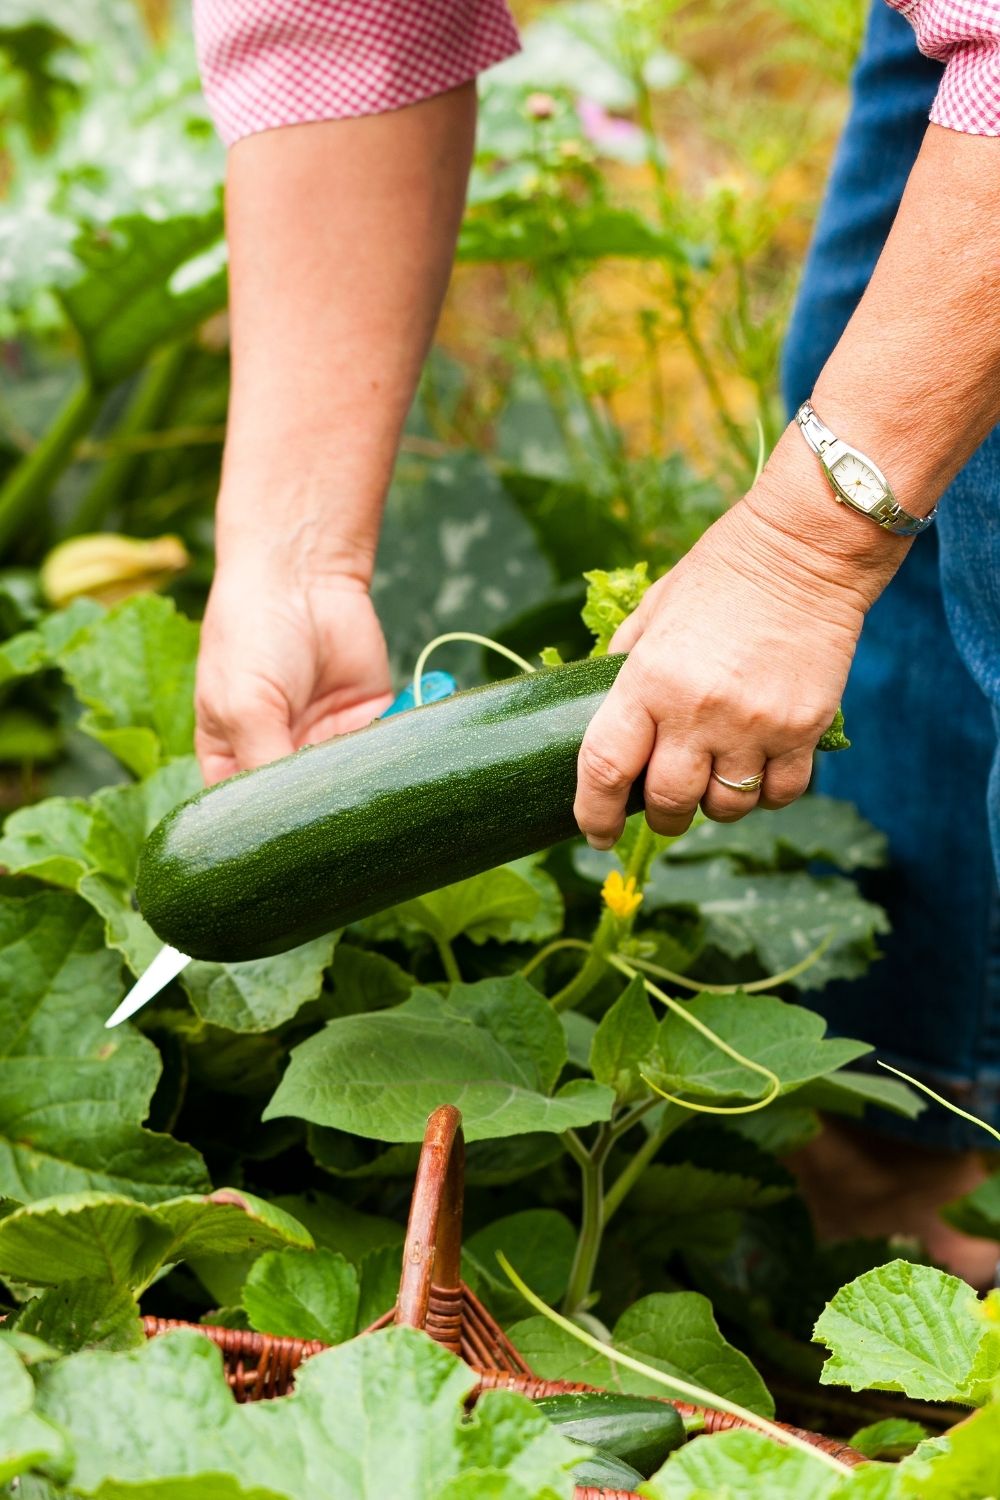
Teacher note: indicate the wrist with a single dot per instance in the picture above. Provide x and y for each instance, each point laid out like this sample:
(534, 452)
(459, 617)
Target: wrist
(295, 529)
(793, 505)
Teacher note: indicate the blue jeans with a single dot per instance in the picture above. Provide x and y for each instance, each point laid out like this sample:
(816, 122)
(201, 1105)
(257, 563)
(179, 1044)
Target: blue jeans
(923, 701)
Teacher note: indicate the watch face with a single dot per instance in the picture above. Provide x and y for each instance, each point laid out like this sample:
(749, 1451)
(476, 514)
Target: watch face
(858, 481)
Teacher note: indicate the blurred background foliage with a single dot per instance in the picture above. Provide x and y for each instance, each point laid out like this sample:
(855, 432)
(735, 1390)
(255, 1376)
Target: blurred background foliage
(605, 378)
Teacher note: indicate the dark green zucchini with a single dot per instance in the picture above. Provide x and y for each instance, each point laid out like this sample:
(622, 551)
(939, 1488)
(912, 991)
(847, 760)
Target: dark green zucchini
(636, 1429)
(602, 1471)
(278, 855)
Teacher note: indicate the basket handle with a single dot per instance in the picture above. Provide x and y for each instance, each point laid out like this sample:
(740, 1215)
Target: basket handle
(432, 1253)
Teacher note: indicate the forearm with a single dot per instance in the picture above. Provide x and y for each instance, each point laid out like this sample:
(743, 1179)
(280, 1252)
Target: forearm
(915, 379)
(341, 237)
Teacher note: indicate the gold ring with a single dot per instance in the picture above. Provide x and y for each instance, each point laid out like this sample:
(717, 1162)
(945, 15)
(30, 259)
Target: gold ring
(748, 784)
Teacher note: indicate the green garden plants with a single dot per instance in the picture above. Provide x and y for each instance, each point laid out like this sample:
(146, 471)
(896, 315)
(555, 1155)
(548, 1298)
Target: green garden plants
(627, 1035)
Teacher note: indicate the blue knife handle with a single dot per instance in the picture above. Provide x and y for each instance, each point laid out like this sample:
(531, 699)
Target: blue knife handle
(433, 687)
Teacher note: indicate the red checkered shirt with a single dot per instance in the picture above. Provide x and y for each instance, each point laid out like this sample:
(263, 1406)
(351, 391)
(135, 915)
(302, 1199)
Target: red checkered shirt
(266, 63)
(965, 36)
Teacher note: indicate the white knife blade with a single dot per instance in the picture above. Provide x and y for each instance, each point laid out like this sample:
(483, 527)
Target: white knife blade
(167, 964)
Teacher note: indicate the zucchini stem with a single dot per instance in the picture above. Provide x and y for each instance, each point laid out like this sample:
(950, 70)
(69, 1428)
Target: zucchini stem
(461, 635)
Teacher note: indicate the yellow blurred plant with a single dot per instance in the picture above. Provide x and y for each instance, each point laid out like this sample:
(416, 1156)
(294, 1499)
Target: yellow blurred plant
(109, 567)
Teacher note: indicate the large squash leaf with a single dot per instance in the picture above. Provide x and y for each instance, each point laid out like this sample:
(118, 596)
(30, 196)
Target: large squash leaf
(912, 1328)
(165, 1411)
(494, 1049)
(72, 1095)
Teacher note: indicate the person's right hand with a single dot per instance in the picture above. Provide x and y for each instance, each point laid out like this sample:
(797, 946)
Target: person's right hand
(285, 661)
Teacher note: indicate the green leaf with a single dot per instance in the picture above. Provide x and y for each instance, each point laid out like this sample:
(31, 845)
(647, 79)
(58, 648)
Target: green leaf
(83, 1314)
(41, 647)
(910, 1328)
(165, 1410)
(147, 282)
(492, 1049)
(850, 1092)
(696, 1209)
(786, 1038)
(961, 1465)
(780, 918)
(364, 981)
(62, 839)
(102, 1237)
(72, 1094)
(978, 1212)
(675, 1331)
(261, 993)
(892, 1438)
(611, 598)
(49, 841)
(510, 1009)
(380, 1275)
(183, 1487)
(622, 1044)
(595, 231)
(26, 1439)
(134, 670)
(303, 1294)
(337, 1226)
(512, 904)
(93, 848)
(742, 1466)
(541, 1241)
(25, 736)
(813, 828)
(454, 548)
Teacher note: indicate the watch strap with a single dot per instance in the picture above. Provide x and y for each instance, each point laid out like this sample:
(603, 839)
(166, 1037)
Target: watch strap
(816, 433)
(888, 514)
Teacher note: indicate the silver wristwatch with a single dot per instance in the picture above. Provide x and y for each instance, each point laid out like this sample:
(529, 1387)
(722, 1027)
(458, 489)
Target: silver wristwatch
(855, 480)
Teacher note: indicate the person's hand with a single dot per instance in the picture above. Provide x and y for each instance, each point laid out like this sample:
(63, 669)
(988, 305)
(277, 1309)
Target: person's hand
(285, 661)
(737, 662)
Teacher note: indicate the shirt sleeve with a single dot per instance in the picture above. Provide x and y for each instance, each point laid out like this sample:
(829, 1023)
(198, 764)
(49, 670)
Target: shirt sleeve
(965, 36)
(267, 63)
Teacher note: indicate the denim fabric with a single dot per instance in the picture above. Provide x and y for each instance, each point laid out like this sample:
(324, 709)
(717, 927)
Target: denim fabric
(918, 704)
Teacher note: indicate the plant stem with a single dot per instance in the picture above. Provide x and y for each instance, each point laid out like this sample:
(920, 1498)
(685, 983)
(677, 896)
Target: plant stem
(28, 486)
(149, 401)
(602, 436)
(448, 960)
(575, 1147)
(685, 1388)
(554, 947)
(582, 983)
(628, 1121)
(633, 1169)
(753, 986)
(611, 930)
(679, 280)
(592, 1222)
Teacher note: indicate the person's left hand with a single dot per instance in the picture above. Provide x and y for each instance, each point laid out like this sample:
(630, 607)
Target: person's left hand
(737, 662)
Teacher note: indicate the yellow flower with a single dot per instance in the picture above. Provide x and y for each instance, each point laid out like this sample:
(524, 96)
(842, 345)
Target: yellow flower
(620, 896)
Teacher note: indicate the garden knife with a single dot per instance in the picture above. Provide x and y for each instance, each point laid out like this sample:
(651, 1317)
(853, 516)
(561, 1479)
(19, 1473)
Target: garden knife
(169, 962)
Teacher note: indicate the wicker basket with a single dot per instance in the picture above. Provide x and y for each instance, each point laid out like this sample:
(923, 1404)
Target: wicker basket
(432, 1296)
